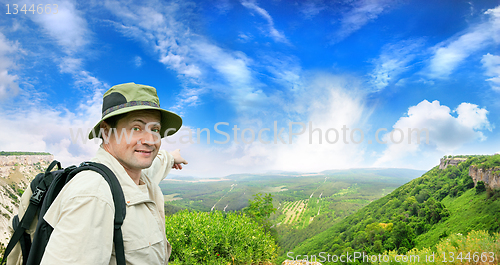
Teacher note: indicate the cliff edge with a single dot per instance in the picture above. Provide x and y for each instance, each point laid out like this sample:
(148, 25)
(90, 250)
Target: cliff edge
(16, 172)
(445, 162)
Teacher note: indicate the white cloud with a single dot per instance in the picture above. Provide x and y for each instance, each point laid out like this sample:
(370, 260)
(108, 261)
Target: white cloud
(361, 14)
(242, 37)
(67, 27)
(70, 65)
(39, 126)
(273, 32)
(169, 38)
(202, 65)
(311, 8)
(449, 54)
(234, 67)
(8, 82)
(473, 117)
(446, 133)
(223, 6)
(138, 61)
(393, 61)
(329, 102)
(492, 65)
(165, 35)
(285, 70)
(44, 128)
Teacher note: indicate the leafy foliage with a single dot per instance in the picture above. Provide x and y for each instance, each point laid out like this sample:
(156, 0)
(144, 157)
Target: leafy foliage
(478, 247)
(260, 208)
(480, 187)
(486, 162)
(218, 238)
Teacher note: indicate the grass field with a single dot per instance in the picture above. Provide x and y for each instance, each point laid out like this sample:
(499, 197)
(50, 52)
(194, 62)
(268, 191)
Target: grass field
(172, 197)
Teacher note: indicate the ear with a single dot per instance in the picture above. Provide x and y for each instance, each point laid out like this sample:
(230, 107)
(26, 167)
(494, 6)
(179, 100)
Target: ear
(106, 131)
(105, 126)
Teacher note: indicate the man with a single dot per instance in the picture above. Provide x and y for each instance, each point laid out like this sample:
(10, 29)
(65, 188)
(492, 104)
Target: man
(132, 126)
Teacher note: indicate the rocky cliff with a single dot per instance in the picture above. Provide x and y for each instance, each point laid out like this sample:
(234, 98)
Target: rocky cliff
(445, 162)
(490, 176)
(24, 159)
(16, 172)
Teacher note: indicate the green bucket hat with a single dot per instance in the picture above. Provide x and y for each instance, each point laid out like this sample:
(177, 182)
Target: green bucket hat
(128, 97)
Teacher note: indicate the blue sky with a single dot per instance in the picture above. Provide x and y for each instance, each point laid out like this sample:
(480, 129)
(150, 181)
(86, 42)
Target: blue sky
(342, 67)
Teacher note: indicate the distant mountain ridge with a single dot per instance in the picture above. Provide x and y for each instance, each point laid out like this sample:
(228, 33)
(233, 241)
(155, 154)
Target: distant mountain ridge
(396, 172)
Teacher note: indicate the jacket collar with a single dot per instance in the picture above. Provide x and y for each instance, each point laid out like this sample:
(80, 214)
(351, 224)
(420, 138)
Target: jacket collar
(131, 191)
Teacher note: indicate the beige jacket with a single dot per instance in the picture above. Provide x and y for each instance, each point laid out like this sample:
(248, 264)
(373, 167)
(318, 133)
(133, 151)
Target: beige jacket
(82, 217)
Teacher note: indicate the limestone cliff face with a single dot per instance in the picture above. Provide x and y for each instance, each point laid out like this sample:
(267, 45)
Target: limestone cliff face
(24, 159)
(445, 162)
(16, 172)
(490, 176)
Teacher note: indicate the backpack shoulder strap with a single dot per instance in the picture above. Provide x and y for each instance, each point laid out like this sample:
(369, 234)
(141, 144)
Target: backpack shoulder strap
(119, 202)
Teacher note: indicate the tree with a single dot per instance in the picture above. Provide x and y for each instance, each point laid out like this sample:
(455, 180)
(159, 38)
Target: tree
(402, 234)
(377, 247)
(260, 208)
(480, 187)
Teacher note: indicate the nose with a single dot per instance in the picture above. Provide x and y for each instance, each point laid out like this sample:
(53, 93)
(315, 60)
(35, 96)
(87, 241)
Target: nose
(148, 139)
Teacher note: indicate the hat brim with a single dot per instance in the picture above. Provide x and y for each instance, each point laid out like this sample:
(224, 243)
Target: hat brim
(169, 120)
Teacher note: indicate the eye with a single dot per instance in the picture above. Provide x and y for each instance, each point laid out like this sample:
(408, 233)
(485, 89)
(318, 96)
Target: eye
(136, 129)
(156, 130)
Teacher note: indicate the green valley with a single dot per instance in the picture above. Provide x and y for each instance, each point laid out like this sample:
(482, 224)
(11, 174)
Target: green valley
(306, 204)
(370, 211)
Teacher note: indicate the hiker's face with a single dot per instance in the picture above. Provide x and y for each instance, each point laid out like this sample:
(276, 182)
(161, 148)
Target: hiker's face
(136, 140)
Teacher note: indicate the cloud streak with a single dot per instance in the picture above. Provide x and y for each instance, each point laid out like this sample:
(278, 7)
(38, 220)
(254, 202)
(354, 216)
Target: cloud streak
(310, 9)
(394, 60)
(202, 65)
(272, 31)
(492, 65)
(450, 54)
(361, 14)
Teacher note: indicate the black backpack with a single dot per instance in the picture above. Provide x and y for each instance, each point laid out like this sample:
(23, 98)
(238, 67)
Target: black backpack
(45, 188)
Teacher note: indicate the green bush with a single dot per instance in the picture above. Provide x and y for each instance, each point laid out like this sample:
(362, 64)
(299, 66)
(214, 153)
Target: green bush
(218, 238)
(480, 187)
(478, 247)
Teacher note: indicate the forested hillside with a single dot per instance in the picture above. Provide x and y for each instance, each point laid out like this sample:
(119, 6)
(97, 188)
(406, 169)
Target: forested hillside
(418, 214)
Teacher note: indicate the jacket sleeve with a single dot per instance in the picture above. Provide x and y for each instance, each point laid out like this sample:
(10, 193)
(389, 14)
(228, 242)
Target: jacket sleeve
(160, 168)
(83, 232)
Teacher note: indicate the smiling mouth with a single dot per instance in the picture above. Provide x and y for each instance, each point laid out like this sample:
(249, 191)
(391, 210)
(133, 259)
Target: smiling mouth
(144, 152)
